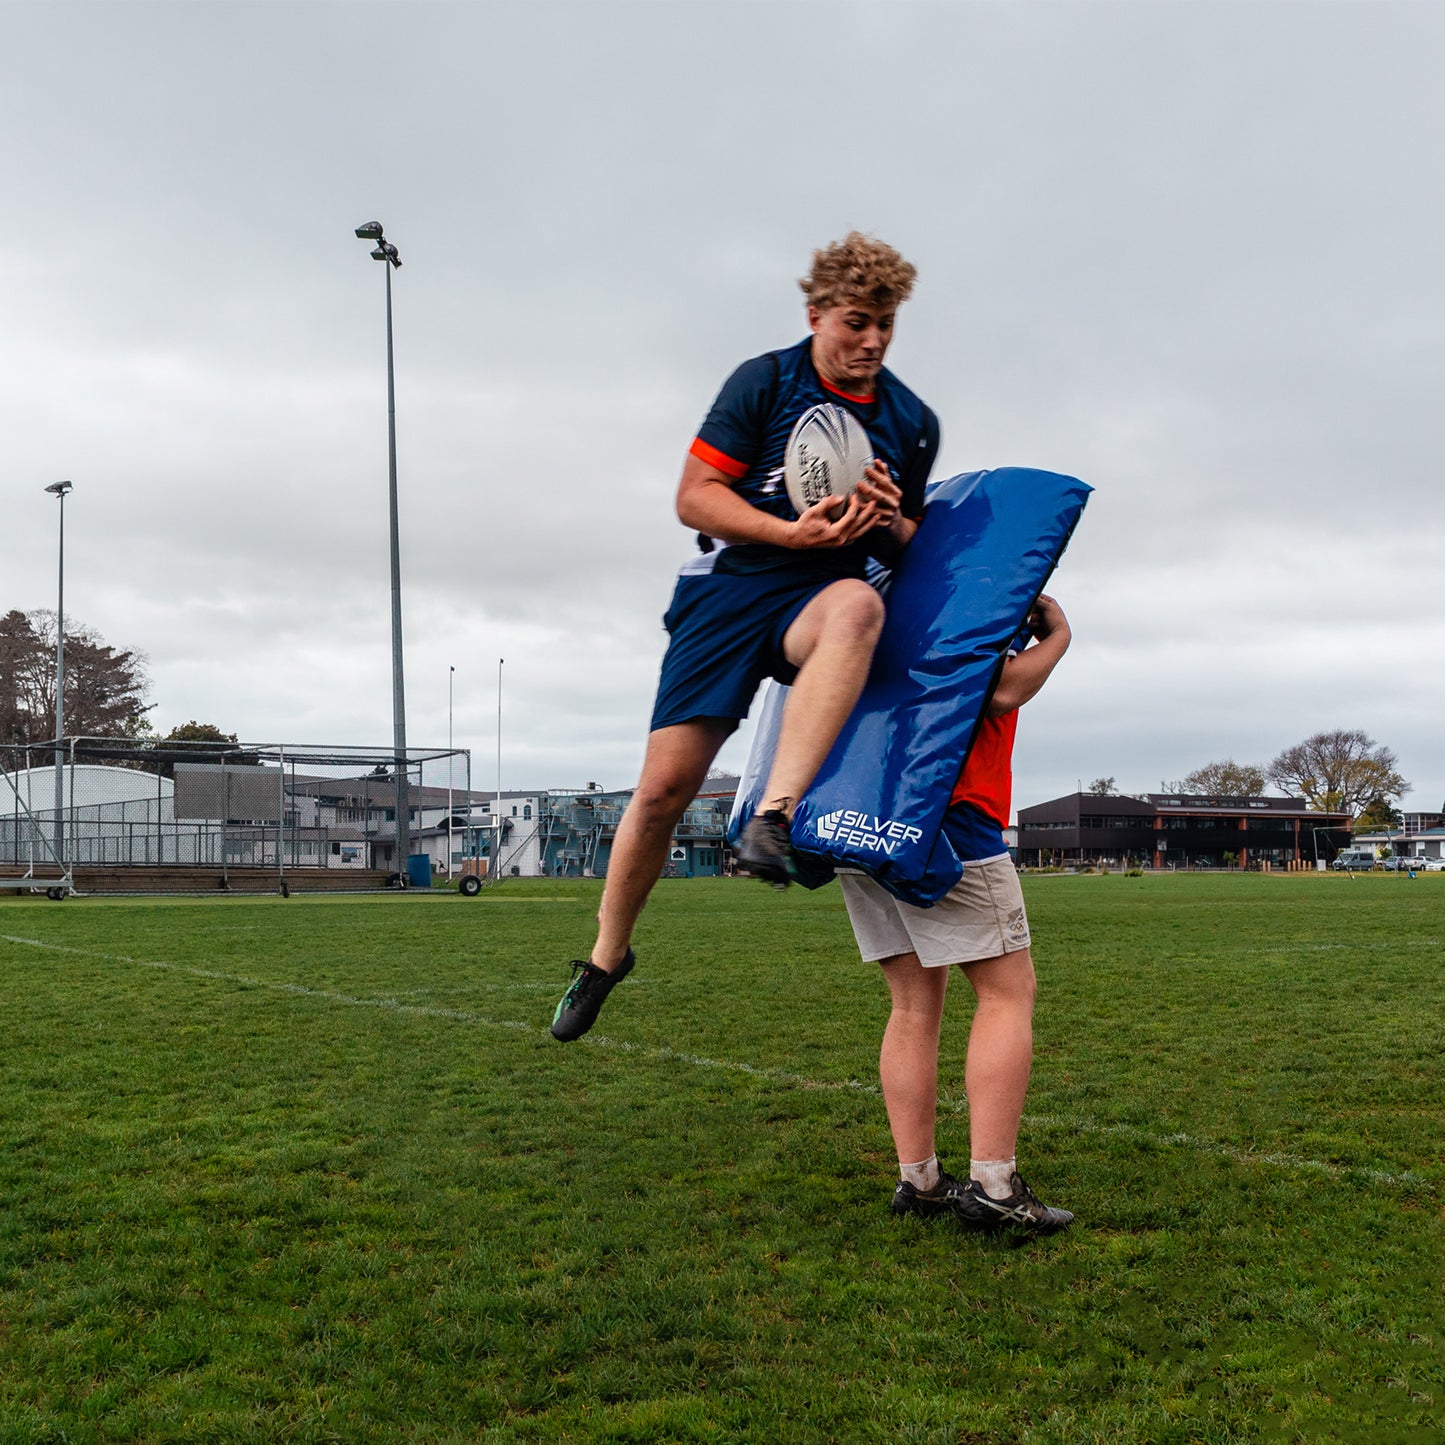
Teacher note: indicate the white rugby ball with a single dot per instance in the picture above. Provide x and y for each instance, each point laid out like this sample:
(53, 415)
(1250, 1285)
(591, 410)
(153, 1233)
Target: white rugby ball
(826, 456)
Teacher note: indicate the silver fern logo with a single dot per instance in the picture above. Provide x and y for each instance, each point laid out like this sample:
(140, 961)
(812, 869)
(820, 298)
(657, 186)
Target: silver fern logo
(865, 832)
(814, 474)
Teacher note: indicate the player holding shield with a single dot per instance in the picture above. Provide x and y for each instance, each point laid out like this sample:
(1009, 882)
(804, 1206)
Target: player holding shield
(980, 926)
(771, 592)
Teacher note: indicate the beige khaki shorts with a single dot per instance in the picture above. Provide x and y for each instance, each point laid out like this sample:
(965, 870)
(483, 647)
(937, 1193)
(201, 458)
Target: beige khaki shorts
(981, 916)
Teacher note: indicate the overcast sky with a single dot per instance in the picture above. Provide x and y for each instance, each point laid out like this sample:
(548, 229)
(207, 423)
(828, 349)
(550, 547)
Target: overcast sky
(1190, 253)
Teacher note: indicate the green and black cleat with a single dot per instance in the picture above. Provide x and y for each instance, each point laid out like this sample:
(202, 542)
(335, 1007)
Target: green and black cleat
(585, 995)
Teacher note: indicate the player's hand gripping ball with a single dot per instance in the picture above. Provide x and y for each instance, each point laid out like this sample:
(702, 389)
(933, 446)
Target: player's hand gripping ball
(826, 456)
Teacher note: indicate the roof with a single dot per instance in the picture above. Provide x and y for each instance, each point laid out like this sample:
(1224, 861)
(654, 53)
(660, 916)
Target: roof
(723, 786)
(1163, 804)
(83, 784)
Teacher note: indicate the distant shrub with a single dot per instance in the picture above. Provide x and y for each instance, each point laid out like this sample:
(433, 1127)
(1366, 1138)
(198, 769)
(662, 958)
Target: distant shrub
(1135, 873)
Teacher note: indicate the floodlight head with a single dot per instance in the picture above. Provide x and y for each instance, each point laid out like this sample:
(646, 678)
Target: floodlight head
(386, 252)
(59, 489)
(371, 231)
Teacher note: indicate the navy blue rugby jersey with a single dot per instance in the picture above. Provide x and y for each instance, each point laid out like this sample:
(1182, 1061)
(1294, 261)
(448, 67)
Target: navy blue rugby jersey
(746, 433)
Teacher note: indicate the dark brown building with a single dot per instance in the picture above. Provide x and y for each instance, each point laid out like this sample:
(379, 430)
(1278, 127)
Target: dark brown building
(1186, 830)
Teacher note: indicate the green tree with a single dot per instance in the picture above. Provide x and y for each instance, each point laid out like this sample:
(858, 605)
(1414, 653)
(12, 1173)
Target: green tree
(1338, 772)
(199, 732)
(1379, 813)
(192, 737)
(1227, 779)
(1102, 788)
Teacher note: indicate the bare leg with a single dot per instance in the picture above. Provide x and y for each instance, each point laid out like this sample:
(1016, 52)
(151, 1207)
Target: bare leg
(1000, 1051)
(831, 644)
(673, 770)
(908, 1060)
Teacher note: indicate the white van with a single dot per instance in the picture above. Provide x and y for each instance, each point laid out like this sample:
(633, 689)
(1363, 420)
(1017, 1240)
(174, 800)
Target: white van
(1355, 860)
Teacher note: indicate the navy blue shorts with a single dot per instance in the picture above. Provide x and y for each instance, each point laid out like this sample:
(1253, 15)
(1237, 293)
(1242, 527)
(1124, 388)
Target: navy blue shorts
(727, 636)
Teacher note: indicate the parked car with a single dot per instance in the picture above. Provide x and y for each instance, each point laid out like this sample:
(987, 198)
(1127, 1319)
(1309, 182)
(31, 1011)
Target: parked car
(1355, 860)
(1401, 863)
(1432, 865)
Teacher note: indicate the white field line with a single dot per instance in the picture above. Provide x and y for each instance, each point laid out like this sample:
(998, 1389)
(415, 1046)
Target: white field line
(1064, 1124)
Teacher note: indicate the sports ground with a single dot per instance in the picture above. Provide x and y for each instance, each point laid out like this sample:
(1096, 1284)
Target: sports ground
(313, 1170)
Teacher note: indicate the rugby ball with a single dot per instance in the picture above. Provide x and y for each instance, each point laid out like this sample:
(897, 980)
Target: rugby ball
(826, 456)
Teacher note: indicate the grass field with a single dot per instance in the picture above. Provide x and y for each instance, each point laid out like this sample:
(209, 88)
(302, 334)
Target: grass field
(313, 1170)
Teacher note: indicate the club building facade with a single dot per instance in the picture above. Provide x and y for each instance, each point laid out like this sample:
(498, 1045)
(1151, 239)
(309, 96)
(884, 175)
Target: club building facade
(1182, 830)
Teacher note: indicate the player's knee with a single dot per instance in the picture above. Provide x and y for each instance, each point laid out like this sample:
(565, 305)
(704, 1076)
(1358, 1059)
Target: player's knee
(1028, 987)
(1007, 981)
(1021, 985)
(662, 797)
(857, 612)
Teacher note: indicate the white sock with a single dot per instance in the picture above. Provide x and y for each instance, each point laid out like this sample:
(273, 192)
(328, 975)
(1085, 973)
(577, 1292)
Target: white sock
(994, 1175)
(924, 1175)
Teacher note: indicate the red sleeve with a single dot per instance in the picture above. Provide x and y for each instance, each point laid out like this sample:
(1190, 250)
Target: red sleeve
(727, 465)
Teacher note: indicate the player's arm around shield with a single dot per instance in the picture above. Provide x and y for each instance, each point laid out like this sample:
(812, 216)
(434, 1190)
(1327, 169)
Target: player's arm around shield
(829, 645)
(775, 590)
(981, 927)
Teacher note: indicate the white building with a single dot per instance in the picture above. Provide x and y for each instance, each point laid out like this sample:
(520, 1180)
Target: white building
(108, 813)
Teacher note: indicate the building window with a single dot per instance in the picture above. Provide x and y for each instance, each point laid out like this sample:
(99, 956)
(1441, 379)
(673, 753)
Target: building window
(526, 812)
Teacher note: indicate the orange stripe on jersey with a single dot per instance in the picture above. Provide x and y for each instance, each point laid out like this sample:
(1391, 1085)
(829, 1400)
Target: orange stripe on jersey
(848, 395)
(721, 460)
(986, 782)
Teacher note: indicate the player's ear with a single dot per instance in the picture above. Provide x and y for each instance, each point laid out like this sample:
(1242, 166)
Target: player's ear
(814, 317)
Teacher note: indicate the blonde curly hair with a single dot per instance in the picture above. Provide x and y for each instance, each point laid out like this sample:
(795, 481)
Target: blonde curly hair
(858, 269)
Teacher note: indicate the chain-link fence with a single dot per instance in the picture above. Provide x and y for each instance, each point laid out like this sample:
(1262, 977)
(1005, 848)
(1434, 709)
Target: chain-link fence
(99, 808)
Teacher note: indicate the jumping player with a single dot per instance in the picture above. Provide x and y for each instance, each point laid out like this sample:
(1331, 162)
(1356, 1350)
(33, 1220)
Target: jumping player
(771, 593)
(981, 926)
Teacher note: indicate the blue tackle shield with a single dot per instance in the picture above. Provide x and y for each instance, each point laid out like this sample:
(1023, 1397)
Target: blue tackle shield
(985, 549)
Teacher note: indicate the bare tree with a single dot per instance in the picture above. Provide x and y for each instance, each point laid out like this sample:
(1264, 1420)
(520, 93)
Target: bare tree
(1102, 788)
(1338, 772)
(1227, 779)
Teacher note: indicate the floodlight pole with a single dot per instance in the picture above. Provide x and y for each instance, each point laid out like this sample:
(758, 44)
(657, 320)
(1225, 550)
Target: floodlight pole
(59, 489)
(386, 253)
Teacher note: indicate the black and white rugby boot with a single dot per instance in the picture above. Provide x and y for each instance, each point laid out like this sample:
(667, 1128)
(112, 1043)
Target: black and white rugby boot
(946, 1197)
(1021, 1210)
(765, 849)
(580, 1005)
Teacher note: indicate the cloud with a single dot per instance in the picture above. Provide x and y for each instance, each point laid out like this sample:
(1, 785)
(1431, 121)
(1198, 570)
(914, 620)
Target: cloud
(1187, 253)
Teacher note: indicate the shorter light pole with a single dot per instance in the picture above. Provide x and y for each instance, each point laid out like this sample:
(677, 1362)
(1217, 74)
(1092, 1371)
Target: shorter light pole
(497, 824)
(59, 489)
(451, 677)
